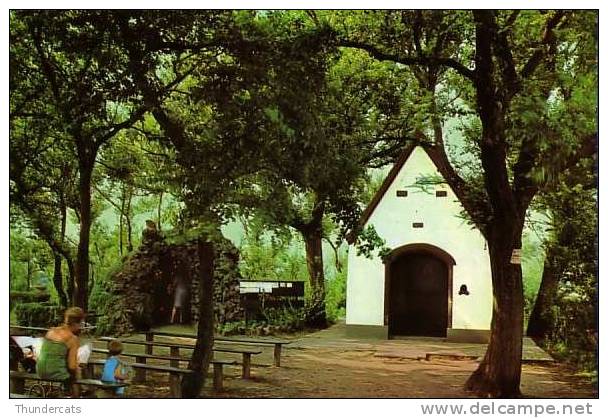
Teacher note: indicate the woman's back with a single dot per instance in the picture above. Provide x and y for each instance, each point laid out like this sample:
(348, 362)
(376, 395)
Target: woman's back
(53, 360)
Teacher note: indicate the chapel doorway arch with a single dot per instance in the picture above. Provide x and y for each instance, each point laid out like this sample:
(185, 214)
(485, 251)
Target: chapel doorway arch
(418, 291)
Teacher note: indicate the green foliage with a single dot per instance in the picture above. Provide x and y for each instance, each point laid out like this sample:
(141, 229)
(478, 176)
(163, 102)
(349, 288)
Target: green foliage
(29, 256)
(369, 241)
(574, 313)
(335, 296)
(36, 314)
(277, 321)
(101, 294)
(20, 297)
(106, 324)
(287, 319)
(574, 334)
(532, 263)
(272, 257)
(276, 115)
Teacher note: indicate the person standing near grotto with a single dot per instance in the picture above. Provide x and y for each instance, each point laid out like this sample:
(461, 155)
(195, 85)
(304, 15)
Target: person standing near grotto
(180, 293)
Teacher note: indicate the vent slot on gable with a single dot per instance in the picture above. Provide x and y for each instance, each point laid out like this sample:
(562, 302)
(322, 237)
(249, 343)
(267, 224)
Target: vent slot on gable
(401, 193)
(418, 225)
(441, 193)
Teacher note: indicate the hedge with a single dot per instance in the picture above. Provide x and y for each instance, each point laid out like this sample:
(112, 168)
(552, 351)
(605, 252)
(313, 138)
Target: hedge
(28, 296)
(35, 314)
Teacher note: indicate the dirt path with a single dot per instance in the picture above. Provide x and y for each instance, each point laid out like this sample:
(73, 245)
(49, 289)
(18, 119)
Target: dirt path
(337, 368)
(359, 374)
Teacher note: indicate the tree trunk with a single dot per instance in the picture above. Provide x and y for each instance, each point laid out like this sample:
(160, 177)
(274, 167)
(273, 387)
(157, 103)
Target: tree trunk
(69, 292)
(121, 221)
(203, 350)
(159, 213)
(29, 274)
(499, 373)
(80, 298)
(71, 279)
(540, 321)
(314, 262)
(128, 220)
(58, 280)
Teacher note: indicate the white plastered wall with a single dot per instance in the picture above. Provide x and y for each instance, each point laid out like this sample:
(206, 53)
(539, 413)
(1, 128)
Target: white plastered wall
(444, 227)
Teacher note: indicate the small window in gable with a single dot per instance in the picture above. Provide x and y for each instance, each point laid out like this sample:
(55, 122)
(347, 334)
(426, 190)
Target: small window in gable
(441, 193)
(418, 225)
(401, 193)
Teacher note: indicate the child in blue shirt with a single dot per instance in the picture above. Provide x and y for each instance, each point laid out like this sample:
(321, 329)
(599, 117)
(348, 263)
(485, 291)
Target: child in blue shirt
(113, 369)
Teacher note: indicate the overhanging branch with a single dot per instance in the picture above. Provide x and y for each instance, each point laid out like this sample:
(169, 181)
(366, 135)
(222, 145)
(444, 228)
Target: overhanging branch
(548, 35)
(419, 60)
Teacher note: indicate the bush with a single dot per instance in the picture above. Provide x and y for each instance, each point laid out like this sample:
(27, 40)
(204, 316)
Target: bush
(286, 319)
(35, 314)
(335, 297)
(29, 296)
(276, 320)
(574, 330)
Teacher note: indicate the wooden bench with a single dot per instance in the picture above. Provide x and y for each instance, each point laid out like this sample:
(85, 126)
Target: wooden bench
(175, 374)
(278, 344)
(141, 357)
(21, 396)
(35, 330)
(175, 355)
(242, 340)
(40, 330)
(18, 380)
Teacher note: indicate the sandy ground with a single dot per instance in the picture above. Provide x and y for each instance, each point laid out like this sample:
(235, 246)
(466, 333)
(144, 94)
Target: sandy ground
(327, 365)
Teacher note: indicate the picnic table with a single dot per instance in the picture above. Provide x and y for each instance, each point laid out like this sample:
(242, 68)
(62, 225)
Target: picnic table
(175, 357)
(277, 343)
(175, 373)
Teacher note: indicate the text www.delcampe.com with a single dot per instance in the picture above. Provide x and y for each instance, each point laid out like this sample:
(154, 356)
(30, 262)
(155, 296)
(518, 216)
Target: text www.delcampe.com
(491, 408)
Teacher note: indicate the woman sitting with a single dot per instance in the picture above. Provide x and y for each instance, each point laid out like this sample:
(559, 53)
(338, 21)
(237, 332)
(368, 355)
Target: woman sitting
(58, 357)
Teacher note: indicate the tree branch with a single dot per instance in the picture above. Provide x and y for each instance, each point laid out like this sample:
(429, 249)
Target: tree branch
(420, 60)
(107, 198)
(47, 66)
(540, 52)
(336, 255)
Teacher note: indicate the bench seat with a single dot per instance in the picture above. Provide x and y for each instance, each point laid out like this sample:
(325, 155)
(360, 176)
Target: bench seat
(277, 343)
(175, 358)
(175, 374)
(18, 379)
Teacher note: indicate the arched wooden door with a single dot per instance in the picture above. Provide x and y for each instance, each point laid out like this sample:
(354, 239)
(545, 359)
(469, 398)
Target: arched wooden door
(419, 294)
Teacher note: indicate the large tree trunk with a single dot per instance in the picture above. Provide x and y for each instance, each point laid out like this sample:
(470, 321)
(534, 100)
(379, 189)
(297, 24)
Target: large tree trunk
(203, 351)
(58, 280)
(66, 255)
(540, 321)
(71, 279)
(499, 373)
(314, 262)
(128, 219)
(29, 274)
(82, 259)
(159, 212)
(121, 221)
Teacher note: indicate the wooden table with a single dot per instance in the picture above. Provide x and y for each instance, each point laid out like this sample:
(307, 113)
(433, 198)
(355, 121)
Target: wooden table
(234, 340)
